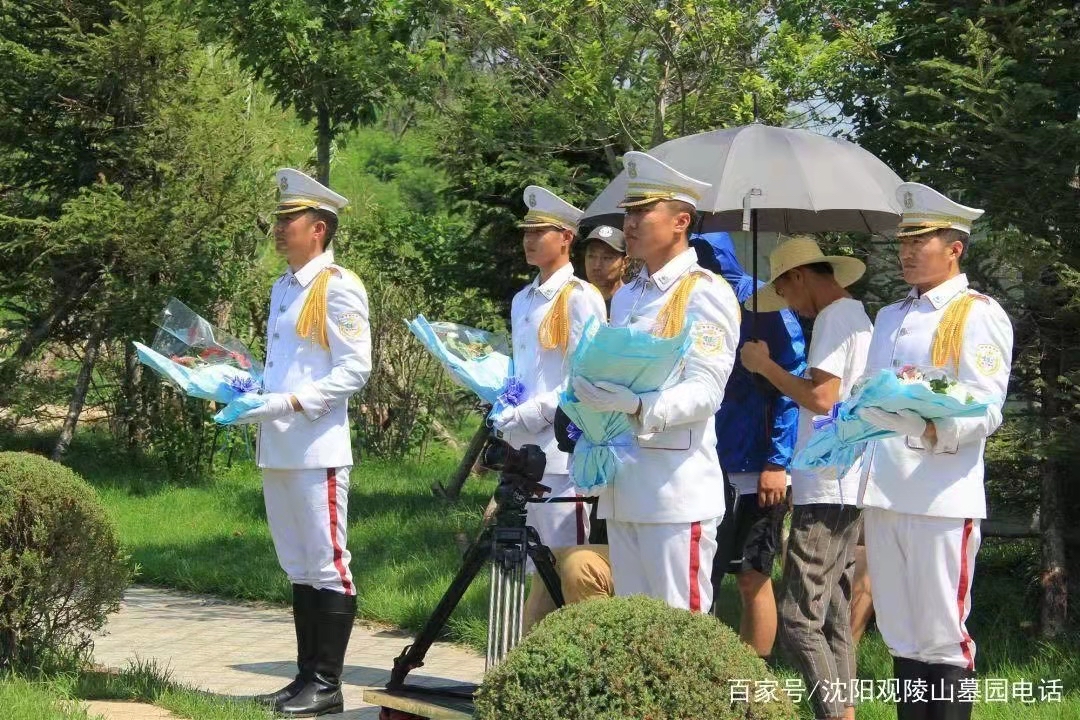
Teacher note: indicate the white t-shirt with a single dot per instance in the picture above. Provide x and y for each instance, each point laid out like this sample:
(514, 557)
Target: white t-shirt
(839, 345)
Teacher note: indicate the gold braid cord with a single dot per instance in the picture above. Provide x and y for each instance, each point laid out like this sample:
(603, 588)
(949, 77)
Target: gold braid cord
(555, 327)
(312, 321)
(949, 336)
(672, 317)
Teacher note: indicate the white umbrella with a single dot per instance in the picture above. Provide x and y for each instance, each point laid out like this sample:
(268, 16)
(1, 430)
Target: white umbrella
(795, 180)
(773, 179)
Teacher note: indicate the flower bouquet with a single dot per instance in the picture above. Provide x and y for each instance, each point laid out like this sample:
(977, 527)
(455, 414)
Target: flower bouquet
(476, 359)
(839, 437)
(201, 360)
(633, 358)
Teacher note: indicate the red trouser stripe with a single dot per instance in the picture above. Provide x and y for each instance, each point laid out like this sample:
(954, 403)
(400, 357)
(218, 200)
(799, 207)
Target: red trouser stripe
(331, 501)
(962, 591)
(695, 566)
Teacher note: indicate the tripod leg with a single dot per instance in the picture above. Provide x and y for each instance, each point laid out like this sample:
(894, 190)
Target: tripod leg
(519, 604)
(413, 655)
(492, 636)
(544, 561)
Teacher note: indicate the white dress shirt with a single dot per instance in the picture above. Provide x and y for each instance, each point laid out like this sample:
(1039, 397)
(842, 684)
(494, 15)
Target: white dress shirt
(321, 379)
(675, 475)
(543, 372)
(903, 475)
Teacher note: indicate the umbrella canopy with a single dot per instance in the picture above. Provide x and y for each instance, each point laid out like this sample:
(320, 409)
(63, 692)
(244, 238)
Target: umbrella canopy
(798, 181)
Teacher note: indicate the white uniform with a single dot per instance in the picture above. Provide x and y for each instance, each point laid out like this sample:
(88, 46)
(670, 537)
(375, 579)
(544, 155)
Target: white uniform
(543, 373)
(923, 506)
(663, 508)
(307, 455)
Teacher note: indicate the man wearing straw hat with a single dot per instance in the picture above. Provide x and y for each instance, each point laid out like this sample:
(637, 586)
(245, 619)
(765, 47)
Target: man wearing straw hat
(815, 591)
(664, 507)
(318, 354)
(923, 489)
(547, 318)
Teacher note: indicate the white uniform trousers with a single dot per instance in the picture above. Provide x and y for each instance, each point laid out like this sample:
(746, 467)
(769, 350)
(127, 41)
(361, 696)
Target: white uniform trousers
(921, 569)
(669, 561)
(308, 515)
(560, 524)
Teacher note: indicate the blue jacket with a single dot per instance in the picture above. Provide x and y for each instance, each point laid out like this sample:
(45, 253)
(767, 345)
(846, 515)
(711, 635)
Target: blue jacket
(741, 439)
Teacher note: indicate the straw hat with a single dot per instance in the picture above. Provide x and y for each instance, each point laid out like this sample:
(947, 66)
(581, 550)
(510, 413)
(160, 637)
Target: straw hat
(797, 252)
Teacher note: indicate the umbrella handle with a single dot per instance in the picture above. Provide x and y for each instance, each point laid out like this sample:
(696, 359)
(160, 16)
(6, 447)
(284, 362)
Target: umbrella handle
(747, 207)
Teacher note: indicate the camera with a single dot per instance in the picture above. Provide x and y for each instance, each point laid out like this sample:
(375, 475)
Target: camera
(520, 475)
(524, 466)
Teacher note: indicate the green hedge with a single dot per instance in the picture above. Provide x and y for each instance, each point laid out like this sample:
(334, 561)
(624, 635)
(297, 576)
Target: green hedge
(624, 658)
(62, 570)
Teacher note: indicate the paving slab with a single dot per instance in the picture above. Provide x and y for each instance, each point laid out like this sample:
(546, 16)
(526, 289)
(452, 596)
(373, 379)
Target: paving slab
(113, 710)
(236, 649)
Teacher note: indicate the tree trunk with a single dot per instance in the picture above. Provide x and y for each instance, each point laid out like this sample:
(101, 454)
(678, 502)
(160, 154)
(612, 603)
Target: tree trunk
(453, 490)
(130, 398)
(82, 384)
(1053, 579)
(659, 134)
(40, 332)
(323, 138)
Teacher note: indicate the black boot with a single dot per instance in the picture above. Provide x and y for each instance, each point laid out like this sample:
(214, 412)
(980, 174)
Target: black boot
(305, 607)
(945, 683)
(322, 694)
(908, 669)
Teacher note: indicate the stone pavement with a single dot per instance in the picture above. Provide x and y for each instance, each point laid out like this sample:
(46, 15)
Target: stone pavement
(233, 648)
(111, 710)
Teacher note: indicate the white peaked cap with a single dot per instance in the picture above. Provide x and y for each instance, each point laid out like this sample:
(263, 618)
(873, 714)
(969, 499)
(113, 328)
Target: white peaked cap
(297, 191)
(548, 209)
(925, 210)
(650, 180)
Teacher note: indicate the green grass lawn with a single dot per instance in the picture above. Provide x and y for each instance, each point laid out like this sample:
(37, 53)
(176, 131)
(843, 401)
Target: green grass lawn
(58, 697)
(23, 699)
(213, 538)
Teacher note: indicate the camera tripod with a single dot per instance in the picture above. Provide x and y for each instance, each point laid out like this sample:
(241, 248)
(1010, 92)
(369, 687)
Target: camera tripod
(506, 542)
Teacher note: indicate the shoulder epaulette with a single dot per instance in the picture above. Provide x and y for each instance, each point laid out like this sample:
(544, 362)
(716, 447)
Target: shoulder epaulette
(343, 272)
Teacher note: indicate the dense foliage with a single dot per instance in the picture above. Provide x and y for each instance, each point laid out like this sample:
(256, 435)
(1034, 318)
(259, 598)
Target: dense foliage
(629, 658)
(62, 570)
(139, 140)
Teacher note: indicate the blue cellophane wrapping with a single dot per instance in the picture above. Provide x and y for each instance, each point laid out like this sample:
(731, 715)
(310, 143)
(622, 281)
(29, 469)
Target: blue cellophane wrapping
(477, 359)
(840, 437)
(220, 382)
(624, 356)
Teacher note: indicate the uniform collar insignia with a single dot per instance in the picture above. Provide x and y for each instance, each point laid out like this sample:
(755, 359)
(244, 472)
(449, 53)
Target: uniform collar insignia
(678, 266)
(554, 283)
(306, 274)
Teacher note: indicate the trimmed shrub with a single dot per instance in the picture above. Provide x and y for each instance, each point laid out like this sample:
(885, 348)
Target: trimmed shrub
(623, 658)
(61, 567)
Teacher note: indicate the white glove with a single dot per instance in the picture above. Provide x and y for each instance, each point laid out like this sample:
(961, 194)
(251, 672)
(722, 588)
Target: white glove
(507, 421)
(903, 422)
(276, 405)
(605, 396)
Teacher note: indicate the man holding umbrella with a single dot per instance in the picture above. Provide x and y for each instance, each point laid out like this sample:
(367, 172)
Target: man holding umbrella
(923, 489)
(815, 592)
(755, 431)
(663, 509)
